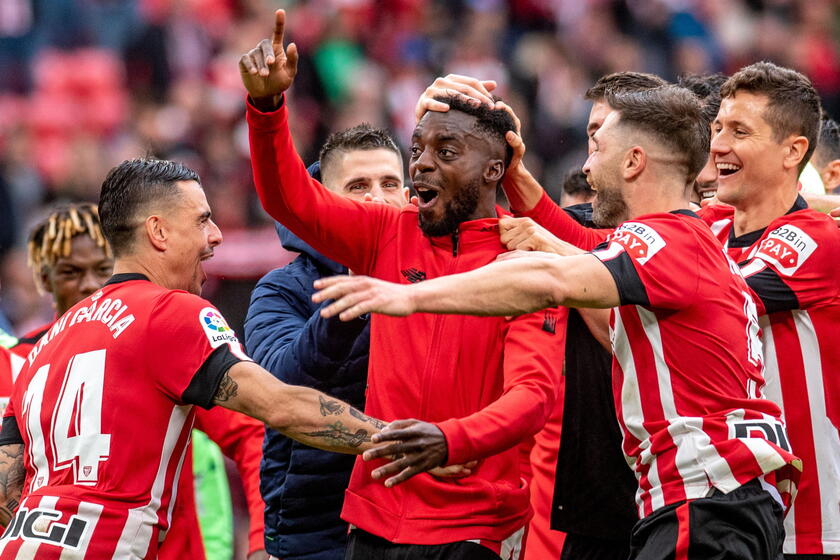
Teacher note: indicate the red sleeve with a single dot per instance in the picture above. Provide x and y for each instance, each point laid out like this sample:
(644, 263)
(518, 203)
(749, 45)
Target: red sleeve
(343, 230)
(534, 346)
(642, 258)
(191, 347)
(795, 266)
(550, 216)
(240, 438)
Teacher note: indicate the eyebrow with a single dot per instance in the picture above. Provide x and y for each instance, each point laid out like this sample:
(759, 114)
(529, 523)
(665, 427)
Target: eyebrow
(362, 178)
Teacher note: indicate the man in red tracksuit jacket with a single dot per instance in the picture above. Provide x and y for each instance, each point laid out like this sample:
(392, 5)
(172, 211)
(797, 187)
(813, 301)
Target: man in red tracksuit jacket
(480, 385)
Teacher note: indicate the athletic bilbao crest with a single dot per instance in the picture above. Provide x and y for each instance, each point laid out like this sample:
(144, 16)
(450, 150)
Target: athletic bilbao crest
(638, 240)
(787, 247)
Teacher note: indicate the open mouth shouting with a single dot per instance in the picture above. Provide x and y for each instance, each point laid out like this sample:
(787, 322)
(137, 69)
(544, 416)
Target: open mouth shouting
(427, 194)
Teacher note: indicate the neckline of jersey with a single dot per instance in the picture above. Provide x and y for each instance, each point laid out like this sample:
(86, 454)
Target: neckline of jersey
(748, 239)
(126, 277)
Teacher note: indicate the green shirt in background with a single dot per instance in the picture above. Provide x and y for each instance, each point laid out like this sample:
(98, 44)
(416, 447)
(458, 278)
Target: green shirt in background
(212, 498)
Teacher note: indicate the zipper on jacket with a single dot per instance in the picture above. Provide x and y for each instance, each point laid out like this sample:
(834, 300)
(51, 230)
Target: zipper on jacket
(455, 238)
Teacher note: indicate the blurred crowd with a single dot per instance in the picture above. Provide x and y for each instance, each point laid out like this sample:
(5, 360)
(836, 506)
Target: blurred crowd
(85, 84)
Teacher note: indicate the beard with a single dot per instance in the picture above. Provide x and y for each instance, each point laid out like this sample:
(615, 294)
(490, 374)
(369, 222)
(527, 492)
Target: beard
(609, 208)
(463, 205)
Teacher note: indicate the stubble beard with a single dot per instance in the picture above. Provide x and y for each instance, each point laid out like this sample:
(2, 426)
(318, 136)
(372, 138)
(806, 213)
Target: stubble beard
(463, 205)
(610, 208)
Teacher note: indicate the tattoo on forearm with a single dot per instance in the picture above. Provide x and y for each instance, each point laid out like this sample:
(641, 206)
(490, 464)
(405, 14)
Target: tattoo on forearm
(337, 434)
(379, 424)
(330, 407)
(12, 474)
(228, 389)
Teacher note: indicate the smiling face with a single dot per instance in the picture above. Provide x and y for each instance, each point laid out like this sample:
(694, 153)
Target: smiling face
(359, 173)
(78, 275)
(603, 172)
(746, 154)
(191, 238)
(455, 169)
(597, 115)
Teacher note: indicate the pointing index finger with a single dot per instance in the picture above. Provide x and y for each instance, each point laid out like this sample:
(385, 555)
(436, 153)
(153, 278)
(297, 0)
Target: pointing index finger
(279, 27)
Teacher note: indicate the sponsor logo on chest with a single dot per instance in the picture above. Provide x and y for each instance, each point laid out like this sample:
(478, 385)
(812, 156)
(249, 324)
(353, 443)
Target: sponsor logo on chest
(787, 247)
(640, 241)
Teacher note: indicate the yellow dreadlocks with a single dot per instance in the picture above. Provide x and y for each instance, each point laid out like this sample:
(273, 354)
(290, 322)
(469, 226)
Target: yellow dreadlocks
(51, 239)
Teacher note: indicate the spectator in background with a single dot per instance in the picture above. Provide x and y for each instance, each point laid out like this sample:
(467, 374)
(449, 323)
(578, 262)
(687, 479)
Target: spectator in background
(303, 487)
(826, 158)
(71, 259)
(576, 190)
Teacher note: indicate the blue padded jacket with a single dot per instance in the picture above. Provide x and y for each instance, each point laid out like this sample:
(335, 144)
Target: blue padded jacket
(303, 487)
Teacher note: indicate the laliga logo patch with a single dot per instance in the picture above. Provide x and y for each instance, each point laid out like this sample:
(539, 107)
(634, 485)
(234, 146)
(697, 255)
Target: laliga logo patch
(787, 247)
(639, 241)
(215, 322)
(215, 327)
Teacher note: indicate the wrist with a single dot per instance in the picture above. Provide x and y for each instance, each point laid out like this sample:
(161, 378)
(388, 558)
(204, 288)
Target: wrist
(267, 104)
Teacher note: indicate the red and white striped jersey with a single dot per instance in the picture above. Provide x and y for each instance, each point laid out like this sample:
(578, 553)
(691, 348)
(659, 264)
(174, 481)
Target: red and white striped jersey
(104, 409)
(10, 366)
(687, 367)
(792, 267)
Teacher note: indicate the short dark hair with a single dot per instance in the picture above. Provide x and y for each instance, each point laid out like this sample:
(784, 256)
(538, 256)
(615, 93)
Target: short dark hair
(360, 137)
(793, 105)
(671, 115)
(828, 146)
(707, 88)
(494, 122)
(576, 183)
(620, 82)
(129, 188)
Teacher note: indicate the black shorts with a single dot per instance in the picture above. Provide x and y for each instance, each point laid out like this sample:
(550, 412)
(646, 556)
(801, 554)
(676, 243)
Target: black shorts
(746, 524)
(580, 547)
(364, 546)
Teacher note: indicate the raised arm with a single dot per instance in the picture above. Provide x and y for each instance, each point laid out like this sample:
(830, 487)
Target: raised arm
(344, 230)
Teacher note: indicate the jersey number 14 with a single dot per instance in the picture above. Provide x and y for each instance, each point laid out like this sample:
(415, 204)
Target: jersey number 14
(77, 411)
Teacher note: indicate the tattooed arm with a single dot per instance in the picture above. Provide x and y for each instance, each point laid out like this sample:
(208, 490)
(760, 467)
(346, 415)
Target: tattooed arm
(12, 474)
(301, 413)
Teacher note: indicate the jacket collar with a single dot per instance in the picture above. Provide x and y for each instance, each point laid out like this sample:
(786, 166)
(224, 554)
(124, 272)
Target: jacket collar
(471, 232)
(292, 242)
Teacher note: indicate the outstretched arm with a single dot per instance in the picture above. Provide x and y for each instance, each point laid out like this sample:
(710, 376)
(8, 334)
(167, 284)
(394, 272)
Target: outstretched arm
(511, 287)
(301, 413)
(12, 475)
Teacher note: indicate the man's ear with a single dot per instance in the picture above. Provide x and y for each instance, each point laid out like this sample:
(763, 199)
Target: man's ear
(831, 175)
(635, 161)
(157, 232)
(795, 152)
(495, 171)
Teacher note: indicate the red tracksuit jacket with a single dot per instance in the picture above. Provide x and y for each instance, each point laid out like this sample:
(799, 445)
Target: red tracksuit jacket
(487, 382)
